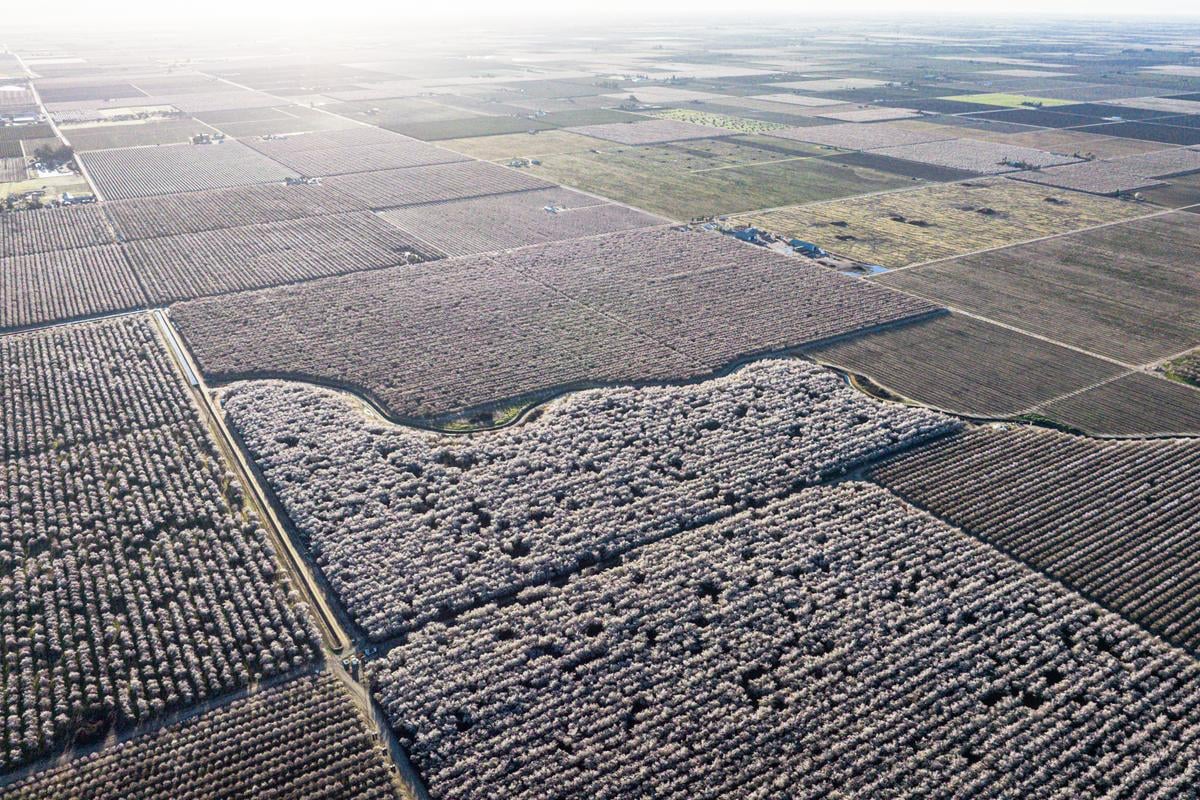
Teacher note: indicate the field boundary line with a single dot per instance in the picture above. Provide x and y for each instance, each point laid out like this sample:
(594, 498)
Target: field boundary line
(853, 378)
(921, 185)
(57, 131)
(62, 323)
(1160, 213)
(337, 640)
(1037, 407)
(410, 784)
(1150, 366)
(157, 724)
(147, 146)
(328, 612)
(758, 163)
(438, 145)
(1015, 329)
(1057, 580)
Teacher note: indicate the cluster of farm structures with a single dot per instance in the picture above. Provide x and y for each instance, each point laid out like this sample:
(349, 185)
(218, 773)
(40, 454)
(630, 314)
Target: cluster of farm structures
(718, 417)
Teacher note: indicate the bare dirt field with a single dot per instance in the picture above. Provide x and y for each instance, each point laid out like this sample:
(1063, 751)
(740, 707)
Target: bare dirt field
(963, 365)
(1128, 291)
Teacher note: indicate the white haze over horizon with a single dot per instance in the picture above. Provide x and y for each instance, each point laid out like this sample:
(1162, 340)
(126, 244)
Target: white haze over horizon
(152, 13)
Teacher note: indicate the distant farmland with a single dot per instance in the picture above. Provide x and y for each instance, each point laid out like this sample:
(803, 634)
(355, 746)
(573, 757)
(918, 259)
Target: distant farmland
(656, 180)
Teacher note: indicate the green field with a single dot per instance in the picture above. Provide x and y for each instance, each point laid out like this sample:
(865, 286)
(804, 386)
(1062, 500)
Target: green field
(711, 178)
(1009, 100)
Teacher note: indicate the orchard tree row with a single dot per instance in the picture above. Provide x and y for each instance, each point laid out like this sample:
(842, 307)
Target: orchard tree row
(302, 739)
(133, 579)
(836, 643)
(410, 526)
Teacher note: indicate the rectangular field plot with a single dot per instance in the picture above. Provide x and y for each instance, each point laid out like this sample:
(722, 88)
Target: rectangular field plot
(651, 131)
(13, 170)
(901, 167)
(269, 254)
(402, 187)
(861, 136)
(11, 137)
(986, 158)
(1094, 177)
(428, 342)
(936, 105)
(85, 90)
(710, 296)
(1162, 163)
(675, 183)
(393, 153)
(658, 95)
(1089, 512)
(801, 109)
(466, 126)
(1133, 405)
(220, 100)
(784, 115)
(736, 124)
(48, 229)
(66, 284)
(1038, 117)
(281, 121)
(1009, 100)
(193, 212)
(870, 114)
(394, 112)
(1129, 291)
(798, 100)
(355, 136)
(805, 425)
(736, 150)
(1166, 105)
(304, 738)
(522, 145)
(147, 171)
(123, 495)
(502, 221)
(1167, 134)
(1110, 111)
(134, 134)
(831, 84)
(1073, 142)
(966, 366)
(782, 653)
(904, 228)
(675, 304)
(1181, 191)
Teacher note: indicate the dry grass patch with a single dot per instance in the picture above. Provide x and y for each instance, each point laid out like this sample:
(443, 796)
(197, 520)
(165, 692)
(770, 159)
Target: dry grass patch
(902, 228)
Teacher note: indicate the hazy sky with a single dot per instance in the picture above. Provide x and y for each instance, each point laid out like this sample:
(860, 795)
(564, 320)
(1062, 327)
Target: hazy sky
(513, 10)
